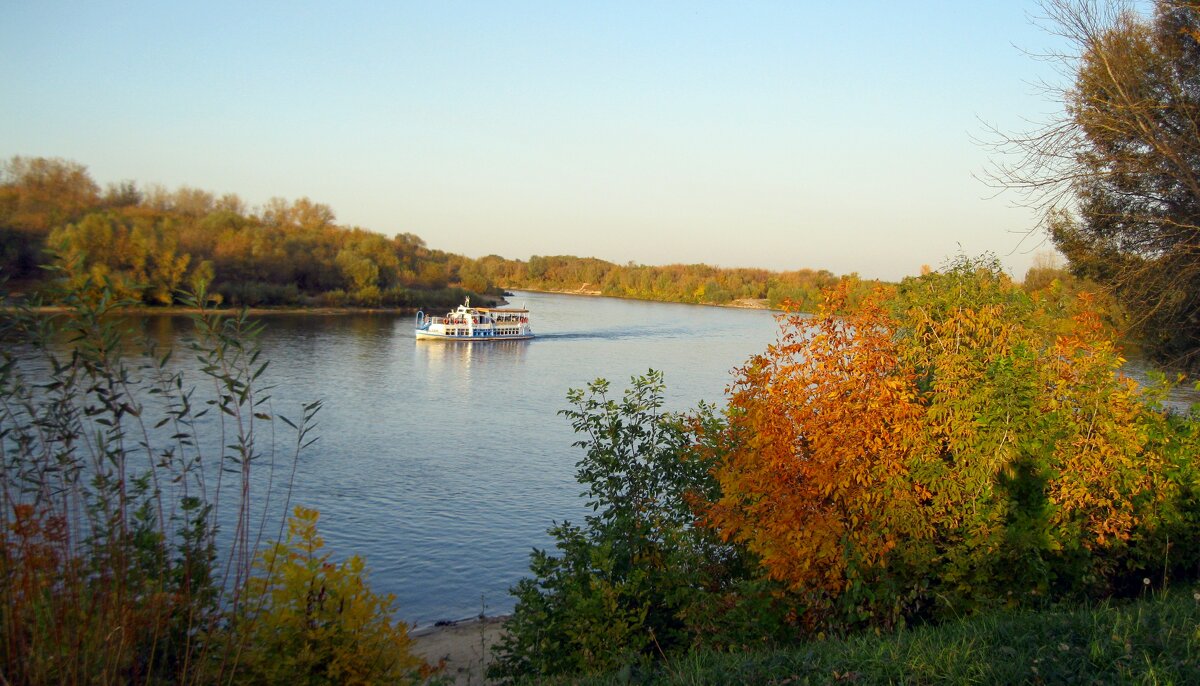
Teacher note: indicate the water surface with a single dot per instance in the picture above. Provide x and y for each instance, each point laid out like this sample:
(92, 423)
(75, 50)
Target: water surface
(443, 463)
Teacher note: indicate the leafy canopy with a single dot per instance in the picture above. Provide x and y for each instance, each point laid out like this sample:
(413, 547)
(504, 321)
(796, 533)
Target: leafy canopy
(1118, 171)
(946, 443)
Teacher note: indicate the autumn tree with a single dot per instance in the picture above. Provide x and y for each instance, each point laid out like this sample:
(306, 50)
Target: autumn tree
(945, 444)
(131, 253)
(820, 427)
(369, 264)
(36, 195)
(1118, 172)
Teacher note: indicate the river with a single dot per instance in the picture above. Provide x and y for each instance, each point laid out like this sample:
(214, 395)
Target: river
(443, 464)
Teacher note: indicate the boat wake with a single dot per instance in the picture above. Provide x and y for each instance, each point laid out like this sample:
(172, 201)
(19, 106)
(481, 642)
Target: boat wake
(613, 335)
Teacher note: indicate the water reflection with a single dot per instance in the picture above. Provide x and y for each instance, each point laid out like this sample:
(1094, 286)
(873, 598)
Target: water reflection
(163, 331)
(469, 353)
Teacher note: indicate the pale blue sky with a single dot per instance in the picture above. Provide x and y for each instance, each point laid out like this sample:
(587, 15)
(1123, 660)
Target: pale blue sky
(768, 134)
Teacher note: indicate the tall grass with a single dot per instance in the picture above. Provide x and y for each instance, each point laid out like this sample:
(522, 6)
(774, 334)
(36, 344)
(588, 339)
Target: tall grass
(116, 478)
(1154, 640)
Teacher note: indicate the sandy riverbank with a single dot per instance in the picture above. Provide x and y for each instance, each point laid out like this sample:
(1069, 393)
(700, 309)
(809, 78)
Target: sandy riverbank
(465, 646)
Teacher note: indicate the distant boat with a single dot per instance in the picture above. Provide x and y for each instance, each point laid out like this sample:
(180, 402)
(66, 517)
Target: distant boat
(468, 323)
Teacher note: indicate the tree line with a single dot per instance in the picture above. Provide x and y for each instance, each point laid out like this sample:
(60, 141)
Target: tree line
(690, 283)
(149, 243)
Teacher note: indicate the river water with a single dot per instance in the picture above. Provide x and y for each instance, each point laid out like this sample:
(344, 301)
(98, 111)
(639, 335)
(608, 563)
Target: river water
(444, 463)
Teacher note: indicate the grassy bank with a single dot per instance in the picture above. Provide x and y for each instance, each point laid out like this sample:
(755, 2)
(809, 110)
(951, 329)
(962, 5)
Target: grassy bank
(1155, 640)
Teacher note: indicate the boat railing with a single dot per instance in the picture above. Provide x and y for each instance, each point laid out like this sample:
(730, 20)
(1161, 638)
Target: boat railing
(424, 321)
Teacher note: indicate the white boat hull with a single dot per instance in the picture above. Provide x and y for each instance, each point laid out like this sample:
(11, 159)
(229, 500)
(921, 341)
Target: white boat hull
(450, 337)
(475, 324)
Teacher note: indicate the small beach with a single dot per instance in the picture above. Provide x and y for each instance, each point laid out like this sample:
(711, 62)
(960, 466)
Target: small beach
(464, 646)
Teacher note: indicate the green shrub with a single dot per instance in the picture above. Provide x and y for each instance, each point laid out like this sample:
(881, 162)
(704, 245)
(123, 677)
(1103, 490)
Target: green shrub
(627, 583)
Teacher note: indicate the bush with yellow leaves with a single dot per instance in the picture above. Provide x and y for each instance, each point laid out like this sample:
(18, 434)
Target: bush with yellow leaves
(307, 620)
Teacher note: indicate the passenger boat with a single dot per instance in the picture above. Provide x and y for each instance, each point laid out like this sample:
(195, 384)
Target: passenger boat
(468, 323)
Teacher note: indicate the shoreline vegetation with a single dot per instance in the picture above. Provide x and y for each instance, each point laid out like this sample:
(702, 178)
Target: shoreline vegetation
(59, 231)
(1150, 640)
(1127, 641)
(173, 310)
(488, 301)
(642, 588)
(120, 575)
(740, 303)
(1133, 641)
(953, 447)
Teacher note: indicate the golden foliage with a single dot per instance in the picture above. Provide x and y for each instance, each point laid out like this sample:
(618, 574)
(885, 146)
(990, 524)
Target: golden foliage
(825, 420)
(309, 620)
(951, 433)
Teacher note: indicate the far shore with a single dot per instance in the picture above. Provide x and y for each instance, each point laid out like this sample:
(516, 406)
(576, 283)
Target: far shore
(227, 311)
(500, 301)
(253, 311)
(740, 303)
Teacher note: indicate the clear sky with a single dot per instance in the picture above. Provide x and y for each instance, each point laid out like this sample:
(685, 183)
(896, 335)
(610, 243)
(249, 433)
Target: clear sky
(762, 134)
